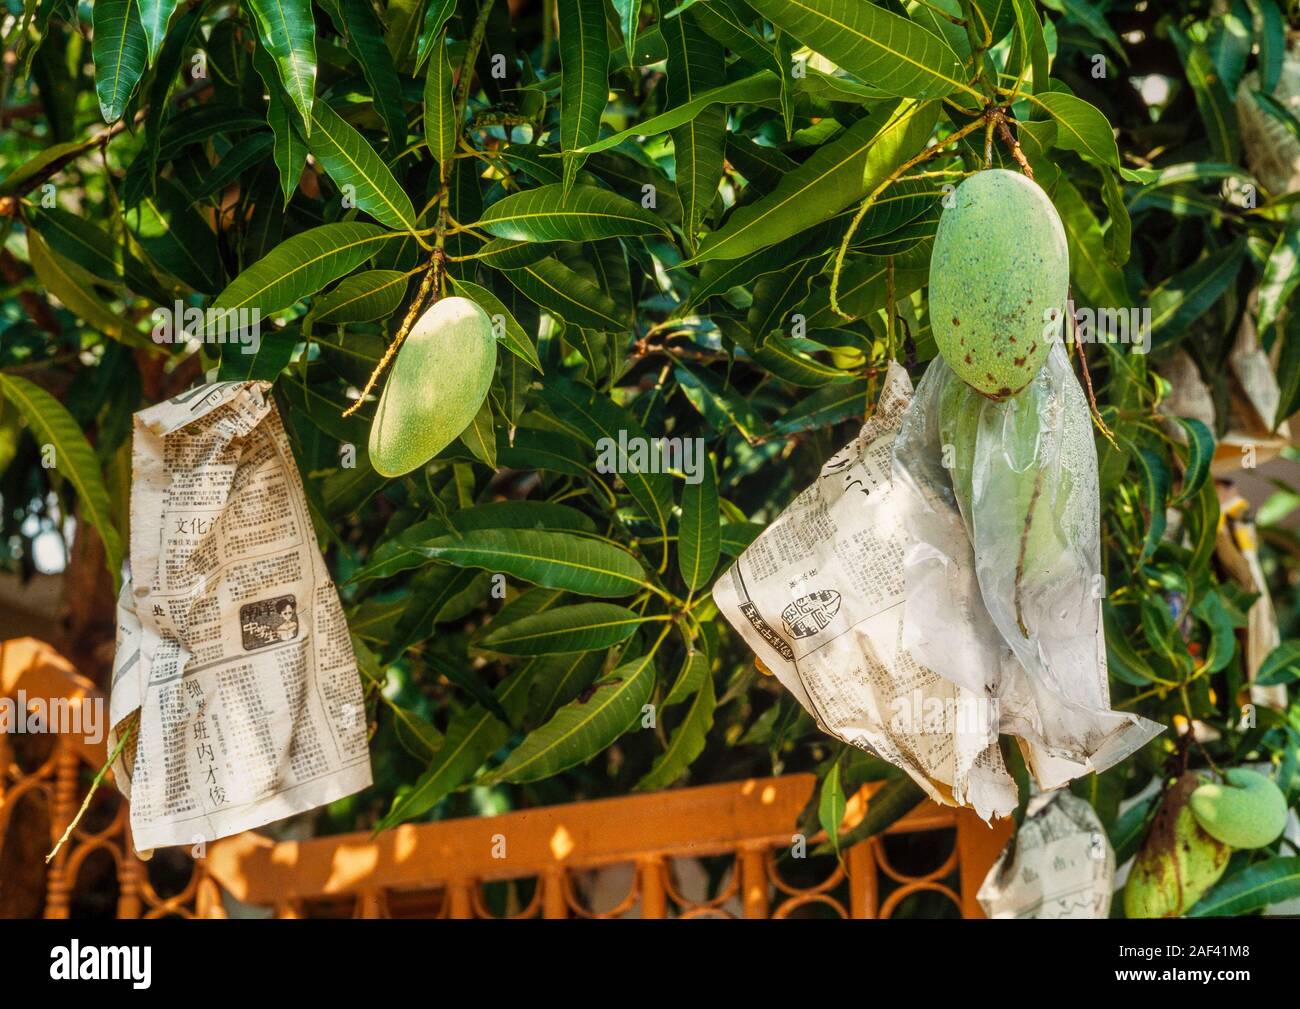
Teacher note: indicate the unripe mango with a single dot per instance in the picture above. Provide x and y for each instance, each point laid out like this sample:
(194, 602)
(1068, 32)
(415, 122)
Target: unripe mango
(999, 278)
(440, 379)
(1249, 811)
(1178, 861)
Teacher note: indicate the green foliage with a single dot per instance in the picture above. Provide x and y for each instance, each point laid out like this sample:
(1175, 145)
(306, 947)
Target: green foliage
(653, 206)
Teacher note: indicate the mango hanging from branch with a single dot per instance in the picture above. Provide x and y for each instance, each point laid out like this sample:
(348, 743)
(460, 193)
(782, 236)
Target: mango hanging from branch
(999, 279)
(438, 383)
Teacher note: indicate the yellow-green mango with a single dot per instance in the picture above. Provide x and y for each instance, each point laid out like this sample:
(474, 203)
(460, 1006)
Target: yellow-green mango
(999, 278)
(438, 382)
(1247, 811)
(1178, 861)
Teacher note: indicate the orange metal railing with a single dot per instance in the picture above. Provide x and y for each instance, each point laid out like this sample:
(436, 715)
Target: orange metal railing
(729, 850)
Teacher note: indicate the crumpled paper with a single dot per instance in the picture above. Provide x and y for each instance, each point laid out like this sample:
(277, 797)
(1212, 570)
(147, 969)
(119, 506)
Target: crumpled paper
(1000, 607)
(1059, 864)
(888, 603)
(819, 597)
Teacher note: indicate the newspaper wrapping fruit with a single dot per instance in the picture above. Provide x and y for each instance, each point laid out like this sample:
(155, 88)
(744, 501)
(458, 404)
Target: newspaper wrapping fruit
(1003, 568)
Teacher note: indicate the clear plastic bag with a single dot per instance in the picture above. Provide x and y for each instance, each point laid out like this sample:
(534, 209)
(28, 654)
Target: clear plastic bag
(1003, 567)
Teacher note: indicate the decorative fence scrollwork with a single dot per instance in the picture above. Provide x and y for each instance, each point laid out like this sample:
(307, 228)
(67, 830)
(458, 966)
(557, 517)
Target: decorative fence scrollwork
(708, 851)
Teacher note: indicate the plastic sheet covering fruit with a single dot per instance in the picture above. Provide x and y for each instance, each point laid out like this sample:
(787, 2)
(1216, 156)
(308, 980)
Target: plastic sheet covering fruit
(1002, 565)
(820, 598)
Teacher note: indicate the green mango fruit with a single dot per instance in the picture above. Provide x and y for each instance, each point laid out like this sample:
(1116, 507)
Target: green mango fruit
(1248, 811)
(1004, 470)
(438, 383)
(999, 278)
(1178, 862)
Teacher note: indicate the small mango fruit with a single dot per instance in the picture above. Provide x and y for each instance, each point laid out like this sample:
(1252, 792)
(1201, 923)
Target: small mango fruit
(440, 379)
(1178, 862)
(999, 278)
(1248, 811)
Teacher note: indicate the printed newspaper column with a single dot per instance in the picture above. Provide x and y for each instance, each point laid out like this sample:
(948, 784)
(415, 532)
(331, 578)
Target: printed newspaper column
(1059, 865)
(820, 596)
(232, 645)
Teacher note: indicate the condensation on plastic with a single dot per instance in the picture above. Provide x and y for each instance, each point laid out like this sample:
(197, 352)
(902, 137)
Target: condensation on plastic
(1003, 565)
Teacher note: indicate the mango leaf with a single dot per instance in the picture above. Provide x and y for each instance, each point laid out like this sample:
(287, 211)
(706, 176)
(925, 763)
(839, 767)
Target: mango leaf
(41, 163)
(261, 359)
(791, 361)
(440, 126)
(694, 671)
(839, 173)
(512, 334)
(699, 530)
(119, 49)
(73, 286)
(473, 735)
(601, 421)
(1122, 658)
(826, 406)
(506, 254)
(236, 162)
(584, 77)
(351, 161)
(52, 425)
(200, 123)
(1119, 236)
(1080, 127)
(1030, 29)
(831, 805)
(776, 296)
(568, 295)
(363, 36)
(176, 237)
(1186, 296)
(890, 803)
(580, 214)
(555, 560)
(686, 742)
(1288, 370)
(1092, 272)
(80, 241)
(558, 679)
(719, 404)
(1212, 98)
(864, 290)
(406, 549)
(1282, 665)
(1126, 833)
(1154, 472)
(1281, 275)
(629, 16)
(1272, 42)
(436, 16)
(696, 65)
(1271, 881)
(1200, 453)
(302, 265)
(154, 15)
(543, 450)
(286, 124)
(761, 87)
(287, 31)
(583, 727)
(582, 627)
(362, 297)
(885, 49)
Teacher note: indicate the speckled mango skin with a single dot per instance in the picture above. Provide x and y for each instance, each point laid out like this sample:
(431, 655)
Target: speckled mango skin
(440, 379)
(1000, 266)
(1178, 862)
